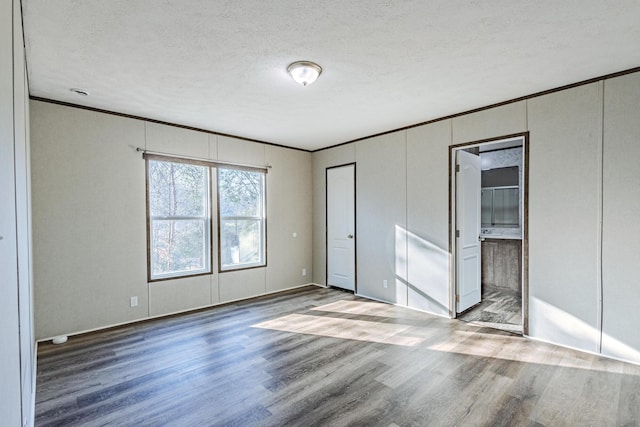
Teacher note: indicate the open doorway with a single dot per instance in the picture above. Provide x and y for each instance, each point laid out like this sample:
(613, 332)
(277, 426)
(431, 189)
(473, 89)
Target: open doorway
(488, 199)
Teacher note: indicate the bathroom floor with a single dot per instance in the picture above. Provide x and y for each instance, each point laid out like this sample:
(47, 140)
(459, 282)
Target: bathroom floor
(501, 308)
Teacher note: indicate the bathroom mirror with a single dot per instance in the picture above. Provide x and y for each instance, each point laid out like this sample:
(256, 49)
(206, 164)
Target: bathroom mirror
(500, 207)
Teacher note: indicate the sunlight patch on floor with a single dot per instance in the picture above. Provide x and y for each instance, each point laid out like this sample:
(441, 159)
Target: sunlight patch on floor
(509, 327)
(510, 348)
(361, 330)
(358, 307)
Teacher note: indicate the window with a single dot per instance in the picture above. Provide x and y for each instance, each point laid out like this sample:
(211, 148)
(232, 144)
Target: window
(179, 219)
(179, 210)
(241, 218)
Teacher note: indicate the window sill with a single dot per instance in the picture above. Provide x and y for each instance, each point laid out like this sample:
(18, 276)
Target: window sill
(242, 267)
(181, 276)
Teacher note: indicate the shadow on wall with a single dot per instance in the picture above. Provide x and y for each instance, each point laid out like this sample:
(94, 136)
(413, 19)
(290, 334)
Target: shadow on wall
(422, 273)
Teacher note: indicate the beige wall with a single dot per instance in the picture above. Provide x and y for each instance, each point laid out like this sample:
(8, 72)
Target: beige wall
(381, 217)
(289, 211)
(90, 220)
(621, 218)
(582, 143)
(427, 221)
(564, 206)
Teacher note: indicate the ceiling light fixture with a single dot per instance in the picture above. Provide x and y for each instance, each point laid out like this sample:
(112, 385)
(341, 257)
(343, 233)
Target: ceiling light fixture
(79, 91)
(304, 72)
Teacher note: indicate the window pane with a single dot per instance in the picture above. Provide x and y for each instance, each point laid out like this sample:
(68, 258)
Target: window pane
(177, 189)
(240, 192)
(240, 242)
(178, 246)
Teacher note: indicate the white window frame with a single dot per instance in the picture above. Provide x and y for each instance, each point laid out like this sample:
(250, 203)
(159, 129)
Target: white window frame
(261, 219)
(206, 218)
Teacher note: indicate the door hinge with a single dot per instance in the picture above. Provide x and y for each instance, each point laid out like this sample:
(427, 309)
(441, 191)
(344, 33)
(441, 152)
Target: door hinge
(457, 298)
(457, 233)
(457, 168)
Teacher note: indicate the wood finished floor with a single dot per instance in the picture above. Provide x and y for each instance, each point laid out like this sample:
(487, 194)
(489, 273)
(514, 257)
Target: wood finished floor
(501, 308)
(316, 356)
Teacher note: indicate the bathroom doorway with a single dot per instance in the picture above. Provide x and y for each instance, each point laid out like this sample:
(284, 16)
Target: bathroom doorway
(489, 232)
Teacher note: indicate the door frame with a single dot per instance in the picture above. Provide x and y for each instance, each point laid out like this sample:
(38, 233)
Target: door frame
(525, 221)
(355, 226)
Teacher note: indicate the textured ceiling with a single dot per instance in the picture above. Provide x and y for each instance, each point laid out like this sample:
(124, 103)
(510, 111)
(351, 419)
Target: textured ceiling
(221, 65)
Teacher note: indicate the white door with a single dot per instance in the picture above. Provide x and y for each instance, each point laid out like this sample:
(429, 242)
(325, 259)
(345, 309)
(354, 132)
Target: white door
(468, 205)
(341, 252)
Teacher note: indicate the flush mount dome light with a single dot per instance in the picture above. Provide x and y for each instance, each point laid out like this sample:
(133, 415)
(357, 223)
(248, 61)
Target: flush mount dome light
(304, 72)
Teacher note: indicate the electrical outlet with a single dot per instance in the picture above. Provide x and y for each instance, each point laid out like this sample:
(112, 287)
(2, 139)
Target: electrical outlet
(304, 271)
(385, 283)
(294, 234)
(133, 301)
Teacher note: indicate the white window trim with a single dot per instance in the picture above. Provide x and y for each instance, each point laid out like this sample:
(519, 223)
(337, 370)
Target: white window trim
(213, 166)
(207, 242)
(263, 228)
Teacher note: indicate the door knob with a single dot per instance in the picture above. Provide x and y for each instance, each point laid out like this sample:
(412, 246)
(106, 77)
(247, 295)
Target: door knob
(350, 236)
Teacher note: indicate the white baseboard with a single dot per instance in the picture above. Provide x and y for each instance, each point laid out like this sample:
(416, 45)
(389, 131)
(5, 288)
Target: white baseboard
(403, 306)
(619, 359)
(318, 285)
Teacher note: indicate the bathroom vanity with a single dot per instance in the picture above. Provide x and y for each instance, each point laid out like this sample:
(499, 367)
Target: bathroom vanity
(502, 263)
